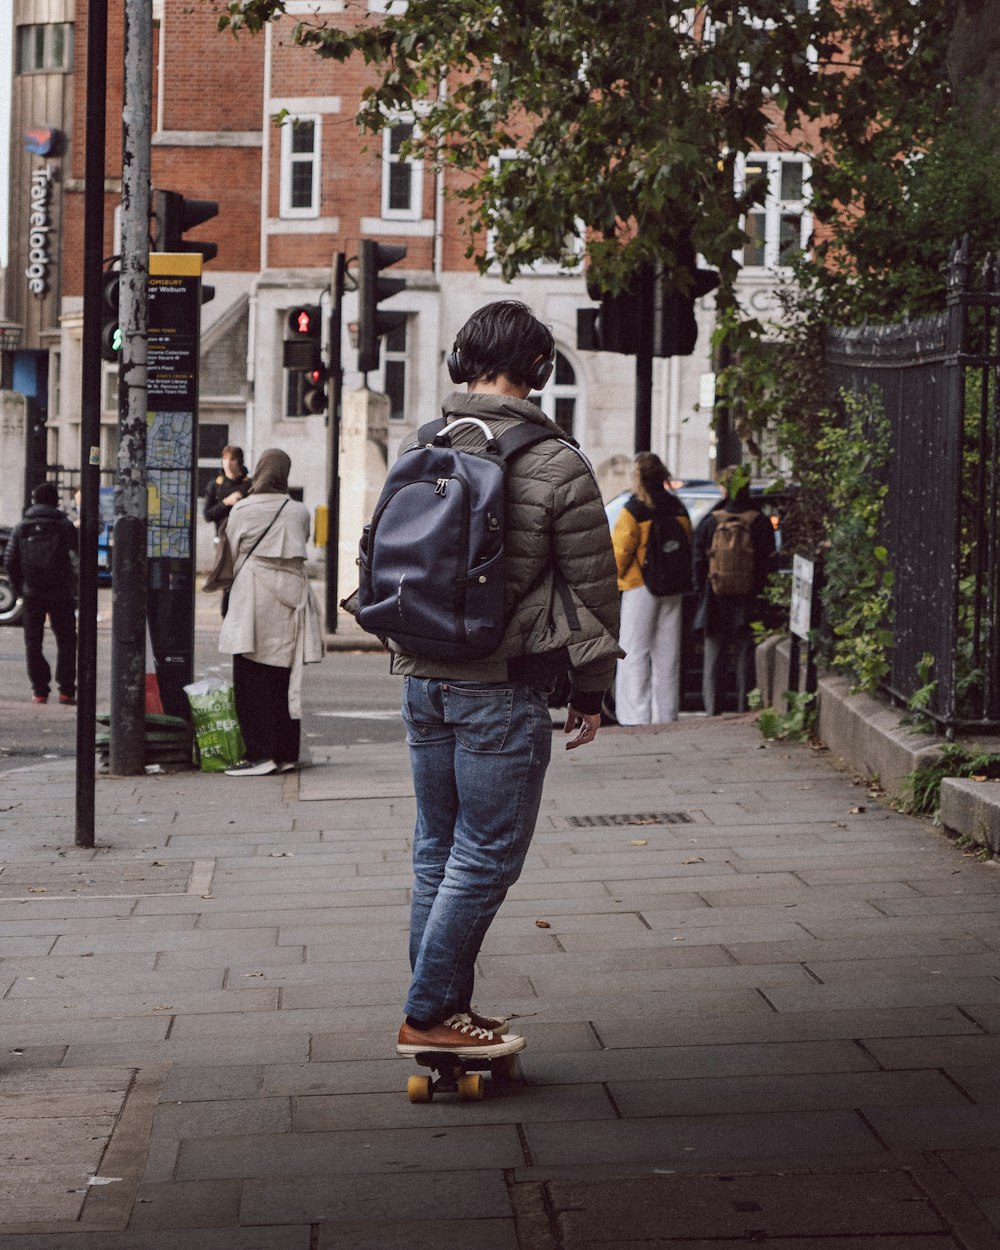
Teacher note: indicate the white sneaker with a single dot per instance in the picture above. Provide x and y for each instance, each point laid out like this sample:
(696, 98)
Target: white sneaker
(252, 768)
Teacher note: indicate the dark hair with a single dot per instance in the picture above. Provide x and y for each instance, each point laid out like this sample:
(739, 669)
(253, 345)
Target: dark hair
(235, 452)
(503, 337)
(650, 475)
(46, 493)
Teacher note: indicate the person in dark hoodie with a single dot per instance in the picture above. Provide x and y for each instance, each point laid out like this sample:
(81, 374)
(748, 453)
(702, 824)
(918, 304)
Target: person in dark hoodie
(733, 555)
(648, 683)
(42, 563)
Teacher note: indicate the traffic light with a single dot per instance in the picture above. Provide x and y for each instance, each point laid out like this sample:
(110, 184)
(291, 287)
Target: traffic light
(668, 298)
(372, 324)
(302, 350)
(675, 327)
(111, 334)
(314, 391)
(615, 326)
(174, 215)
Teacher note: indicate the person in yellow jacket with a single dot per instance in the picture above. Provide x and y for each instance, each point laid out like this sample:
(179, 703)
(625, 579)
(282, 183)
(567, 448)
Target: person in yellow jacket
(652, 542)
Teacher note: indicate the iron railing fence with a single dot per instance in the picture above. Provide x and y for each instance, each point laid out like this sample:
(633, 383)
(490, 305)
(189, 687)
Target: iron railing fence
(937, 381)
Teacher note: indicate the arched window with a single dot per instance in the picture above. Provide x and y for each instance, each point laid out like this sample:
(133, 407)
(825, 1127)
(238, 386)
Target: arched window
(558, 399)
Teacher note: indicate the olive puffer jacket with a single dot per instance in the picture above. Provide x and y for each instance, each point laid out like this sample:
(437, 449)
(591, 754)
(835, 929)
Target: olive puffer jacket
(555, 521)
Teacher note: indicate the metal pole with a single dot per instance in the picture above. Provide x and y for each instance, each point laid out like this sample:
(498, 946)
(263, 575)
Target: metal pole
(128, 623)
(644, 363)
(90, 418)
(333, 443)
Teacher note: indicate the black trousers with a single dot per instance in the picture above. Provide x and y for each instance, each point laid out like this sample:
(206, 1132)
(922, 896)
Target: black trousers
(712, 686)
(62, 619)
(261, 692)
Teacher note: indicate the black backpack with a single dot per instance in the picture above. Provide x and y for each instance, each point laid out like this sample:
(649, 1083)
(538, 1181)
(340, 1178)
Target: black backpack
(666, 569)
(432, 559)
(44, 559)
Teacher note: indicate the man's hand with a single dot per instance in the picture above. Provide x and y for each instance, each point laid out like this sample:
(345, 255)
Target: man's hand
(586, 727)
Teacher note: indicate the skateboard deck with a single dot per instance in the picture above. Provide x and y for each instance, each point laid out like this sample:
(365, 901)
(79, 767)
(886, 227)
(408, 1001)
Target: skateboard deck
(459, 1074)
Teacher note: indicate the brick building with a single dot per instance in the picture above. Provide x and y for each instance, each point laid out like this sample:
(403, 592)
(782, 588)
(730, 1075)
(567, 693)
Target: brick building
(291, 195)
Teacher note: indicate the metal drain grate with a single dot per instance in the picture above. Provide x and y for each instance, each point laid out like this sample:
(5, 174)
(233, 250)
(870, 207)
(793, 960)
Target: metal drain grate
(629, 818)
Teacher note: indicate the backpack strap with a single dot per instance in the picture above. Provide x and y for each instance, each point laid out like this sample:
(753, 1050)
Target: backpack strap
(520, 437)
(427, 433)
(508, 445)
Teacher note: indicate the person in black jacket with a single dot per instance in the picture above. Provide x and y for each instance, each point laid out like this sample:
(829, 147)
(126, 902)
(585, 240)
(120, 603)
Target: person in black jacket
(726, 618)
(41, 562)
(231, 485)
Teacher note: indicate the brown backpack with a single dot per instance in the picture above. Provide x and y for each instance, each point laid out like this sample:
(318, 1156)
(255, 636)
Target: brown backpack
(732, 555)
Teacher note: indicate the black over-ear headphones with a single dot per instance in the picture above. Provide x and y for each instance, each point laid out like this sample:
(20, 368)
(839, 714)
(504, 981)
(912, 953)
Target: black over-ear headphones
(536, 376)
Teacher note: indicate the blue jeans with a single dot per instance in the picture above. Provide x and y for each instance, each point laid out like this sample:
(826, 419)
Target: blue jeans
(478, 752)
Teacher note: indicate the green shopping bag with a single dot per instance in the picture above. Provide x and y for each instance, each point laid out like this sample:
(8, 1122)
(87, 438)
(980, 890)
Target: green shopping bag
(218, 740)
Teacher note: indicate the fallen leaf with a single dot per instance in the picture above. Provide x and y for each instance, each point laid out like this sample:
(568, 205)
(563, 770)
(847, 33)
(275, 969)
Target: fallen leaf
(163, 1007)
(679, 939)
(978, 777)
(839, 824)
(38, 889)
(158, 863)
(253, 974)
(639, 842)
(695, 859)
(856, 811)
(542, 924)
(208, 896)
(282, 854)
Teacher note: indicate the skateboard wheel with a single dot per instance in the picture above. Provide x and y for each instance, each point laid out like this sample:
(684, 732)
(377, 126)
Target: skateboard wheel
(505, 1068)
(470, 1087)
(419, 1089)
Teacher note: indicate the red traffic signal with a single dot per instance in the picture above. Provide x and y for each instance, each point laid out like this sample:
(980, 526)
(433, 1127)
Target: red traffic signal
(304, 322)
(314, 398)
(302, 349)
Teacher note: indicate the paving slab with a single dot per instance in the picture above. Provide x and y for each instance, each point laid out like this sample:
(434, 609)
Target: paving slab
(320, 1154)
(755, 1208)
(659, 1141)
(418, 1198)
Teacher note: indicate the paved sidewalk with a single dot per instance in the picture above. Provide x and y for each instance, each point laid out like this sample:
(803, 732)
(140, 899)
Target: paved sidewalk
(761, 1008)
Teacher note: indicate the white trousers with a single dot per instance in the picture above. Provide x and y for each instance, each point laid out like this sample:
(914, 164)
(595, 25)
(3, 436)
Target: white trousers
(648, 683)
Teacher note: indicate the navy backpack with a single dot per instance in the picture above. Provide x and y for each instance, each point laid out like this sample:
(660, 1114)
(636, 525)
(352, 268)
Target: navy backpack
(432, 559)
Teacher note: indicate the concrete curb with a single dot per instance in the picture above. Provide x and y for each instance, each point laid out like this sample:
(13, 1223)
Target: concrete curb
(866, 735)
(972, 808)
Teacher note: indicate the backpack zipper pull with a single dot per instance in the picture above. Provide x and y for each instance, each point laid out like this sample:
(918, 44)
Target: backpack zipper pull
(442, 486)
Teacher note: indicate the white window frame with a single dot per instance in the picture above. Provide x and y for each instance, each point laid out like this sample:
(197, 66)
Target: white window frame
(774, 206)
(415, 212)
(49, 64)
(401, 358)
(289, 159)
(540, 267)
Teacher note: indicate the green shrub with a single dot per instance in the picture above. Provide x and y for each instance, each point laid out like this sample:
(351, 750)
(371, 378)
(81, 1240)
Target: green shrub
(922, 787)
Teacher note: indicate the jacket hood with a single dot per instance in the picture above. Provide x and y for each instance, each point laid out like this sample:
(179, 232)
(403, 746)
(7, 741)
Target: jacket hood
(476, 404)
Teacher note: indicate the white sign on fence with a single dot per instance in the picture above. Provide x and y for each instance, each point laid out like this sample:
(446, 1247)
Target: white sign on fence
(802, 596)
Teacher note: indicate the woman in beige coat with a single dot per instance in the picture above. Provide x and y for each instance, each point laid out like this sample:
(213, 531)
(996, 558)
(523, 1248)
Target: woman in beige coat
(272, 626)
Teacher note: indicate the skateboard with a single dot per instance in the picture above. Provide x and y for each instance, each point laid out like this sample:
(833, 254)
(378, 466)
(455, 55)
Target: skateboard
(458, 1074)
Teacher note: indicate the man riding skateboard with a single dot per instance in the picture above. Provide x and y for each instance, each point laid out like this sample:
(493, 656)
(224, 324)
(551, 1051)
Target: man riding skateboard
(479, 731)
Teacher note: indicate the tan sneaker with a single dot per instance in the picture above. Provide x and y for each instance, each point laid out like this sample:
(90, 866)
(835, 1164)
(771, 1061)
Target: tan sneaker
(458, 1036)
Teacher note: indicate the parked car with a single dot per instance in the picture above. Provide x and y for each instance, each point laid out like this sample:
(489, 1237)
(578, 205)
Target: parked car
(11, 608)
